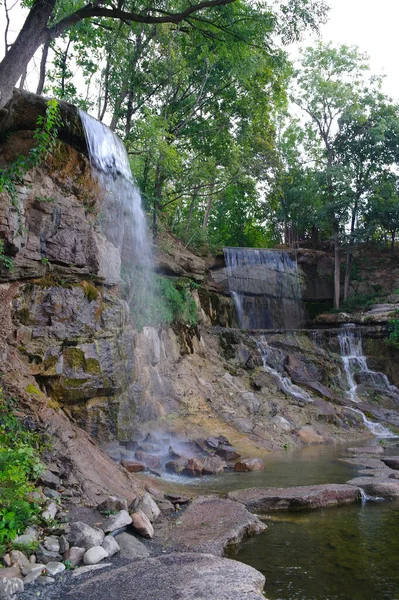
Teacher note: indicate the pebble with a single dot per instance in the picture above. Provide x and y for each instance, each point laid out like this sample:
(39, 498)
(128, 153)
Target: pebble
(94, 555)
(55, 568)
(110, 545)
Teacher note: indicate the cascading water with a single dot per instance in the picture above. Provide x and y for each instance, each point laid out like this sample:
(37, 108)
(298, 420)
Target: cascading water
(265, 288)
(285, 383)
(123, 219)
(355, 365)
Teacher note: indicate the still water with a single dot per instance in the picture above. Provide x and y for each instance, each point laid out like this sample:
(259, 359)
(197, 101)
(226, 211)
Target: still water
(344, 553)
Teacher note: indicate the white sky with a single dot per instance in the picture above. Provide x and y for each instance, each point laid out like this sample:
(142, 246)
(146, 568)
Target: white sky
(370, 24)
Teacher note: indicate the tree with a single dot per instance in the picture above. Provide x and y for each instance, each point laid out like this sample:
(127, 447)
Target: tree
(329, 82)
(383, 208)
(49, 19)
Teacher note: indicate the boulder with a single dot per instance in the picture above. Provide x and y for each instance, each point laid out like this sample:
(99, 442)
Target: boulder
(130, 547)
(213, 525)
(133, 466)
(121, 519)
(11, 572)
(94, 555)
(392, 462)
(308, 435)
(176, 576)
(375, 449)
(212, 465)
(142, 524)
(149, 507)
(30, 535)
(377, 486)
(83, 536)
(45, 556)
(150, 460)
(193, 468)
(112, 504)
(227, 453)
(10, 586)
(52, 543)
(261, 500)
(18, 558)
(249, 464)
(54, 568)
(166, 507)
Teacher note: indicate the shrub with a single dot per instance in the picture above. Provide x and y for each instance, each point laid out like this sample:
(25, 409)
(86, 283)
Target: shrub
(393, 338)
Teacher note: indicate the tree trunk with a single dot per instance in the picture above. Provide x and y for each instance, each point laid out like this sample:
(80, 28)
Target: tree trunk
(42, 75)
(337, 268)
(393, 242)
(191, 210)
(208, 210)
(349, 262)
(32, 35)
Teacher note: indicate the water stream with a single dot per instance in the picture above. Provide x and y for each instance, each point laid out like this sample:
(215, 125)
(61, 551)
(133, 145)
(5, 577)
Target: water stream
(265, 287)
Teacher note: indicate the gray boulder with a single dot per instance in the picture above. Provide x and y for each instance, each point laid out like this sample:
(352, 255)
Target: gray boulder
(116, 521)
(84, 536)
(131, 547)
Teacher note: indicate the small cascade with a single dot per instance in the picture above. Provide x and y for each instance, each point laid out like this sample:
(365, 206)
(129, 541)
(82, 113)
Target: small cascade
(285, 382)
(122, 217)
(355, 364)
(265, 287)
(377, 429)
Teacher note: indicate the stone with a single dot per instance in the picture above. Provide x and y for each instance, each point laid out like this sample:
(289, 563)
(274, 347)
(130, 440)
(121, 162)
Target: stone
(33, 568)
(166, 507)
(94, 555)
(150, 460)
(45, 580)
(392, 462)
(45, 556)
(50, 512)
(49, 493)
(213, 465)
(213, 525)
(31, 577)
(52, 543)
(112, 504)
(142, 524)
(10, 586)
(149, 507)
(50, 480)
(177, 498)
(133, 466)
(64, 544)
(308, 435)
(54, 568)
(228, 453)
(11, 572)
(177, 576)
(116, 521)
(376, 449)
(89, 569)
(75, 555)
(30, 535)
(261, 500)
(19, 559)
(131, 547)
(212, 443)
(377, 486)
(193, 468)
(110, 545)
(83, 536)
(249, 464)
(176, 466)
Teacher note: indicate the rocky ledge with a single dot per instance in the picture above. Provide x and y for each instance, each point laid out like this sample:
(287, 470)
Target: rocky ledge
(261, 500)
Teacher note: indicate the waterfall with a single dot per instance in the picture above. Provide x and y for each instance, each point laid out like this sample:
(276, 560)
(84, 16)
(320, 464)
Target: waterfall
(284, 382)
(122, 217)
(355, 364)
(265, 288)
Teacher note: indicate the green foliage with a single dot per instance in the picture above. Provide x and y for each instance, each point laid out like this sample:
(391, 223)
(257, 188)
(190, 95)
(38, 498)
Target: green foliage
(90, 291)
(359, 302)
(5, 260)
(20, 466)
(160, 301)
(393, 338)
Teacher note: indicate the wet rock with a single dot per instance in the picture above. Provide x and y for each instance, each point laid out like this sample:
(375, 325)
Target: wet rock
(10, 586)
(249, 464)
(193, 468)
(110, 545)
(176, 466)
(144, 447)
(54, 568)
(142, 524)
(150, 460)
(227, 453)
(367, 450)
(94, 555)
(112, 504)
(261, 500)
(392, 462)
(131, 547)
(75, 555)
(116, 521)
(173, 455)
(213, 525)
(133, 466)
(366, 462)
(309, 436)
(375, 486)
(83, 536)
(213, 465)
(149, 507)
(186, 576)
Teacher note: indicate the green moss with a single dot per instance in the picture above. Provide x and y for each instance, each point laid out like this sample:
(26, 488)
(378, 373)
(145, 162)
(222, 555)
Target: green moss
(32, 389)
(90, 291)
(92, 366)
(23, 316)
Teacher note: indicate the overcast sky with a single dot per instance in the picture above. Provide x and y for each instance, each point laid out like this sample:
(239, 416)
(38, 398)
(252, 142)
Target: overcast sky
(370, 24)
